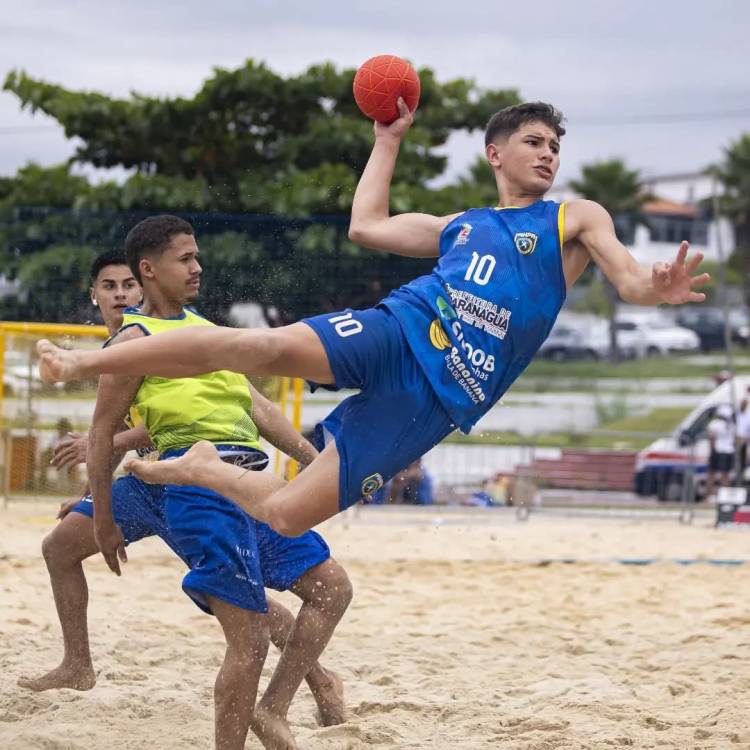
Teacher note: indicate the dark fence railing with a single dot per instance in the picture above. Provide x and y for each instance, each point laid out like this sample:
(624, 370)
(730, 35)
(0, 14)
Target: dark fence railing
(297, 266)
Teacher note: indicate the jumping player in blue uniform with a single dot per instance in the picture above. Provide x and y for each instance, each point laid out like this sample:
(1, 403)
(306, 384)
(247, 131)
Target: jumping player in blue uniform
(436, 354)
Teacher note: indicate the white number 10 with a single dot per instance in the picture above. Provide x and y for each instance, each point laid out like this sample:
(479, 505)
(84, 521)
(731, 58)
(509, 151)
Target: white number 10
(480, 268)
(345, 325)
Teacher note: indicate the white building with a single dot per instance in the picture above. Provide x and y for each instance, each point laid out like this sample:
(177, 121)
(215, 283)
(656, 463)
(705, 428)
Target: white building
(675, 214)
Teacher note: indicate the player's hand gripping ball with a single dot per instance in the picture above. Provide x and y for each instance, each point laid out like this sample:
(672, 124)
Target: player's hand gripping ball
(378, 84)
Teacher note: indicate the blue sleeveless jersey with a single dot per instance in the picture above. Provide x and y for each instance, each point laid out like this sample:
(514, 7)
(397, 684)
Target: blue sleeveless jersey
(477, 320)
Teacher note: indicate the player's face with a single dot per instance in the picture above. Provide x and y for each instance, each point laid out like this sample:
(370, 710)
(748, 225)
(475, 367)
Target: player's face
(114, 289)
(177, 271)
(529, 158)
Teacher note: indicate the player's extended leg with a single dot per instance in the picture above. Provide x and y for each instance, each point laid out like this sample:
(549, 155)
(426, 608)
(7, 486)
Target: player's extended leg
(325, 591)
(325, 685)
(64, 549)
(236, 685)
(290, 509)
(293, 350)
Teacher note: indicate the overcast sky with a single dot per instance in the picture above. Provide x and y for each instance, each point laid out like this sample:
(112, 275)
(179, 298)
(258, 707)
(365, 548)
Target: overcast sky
(664, 85)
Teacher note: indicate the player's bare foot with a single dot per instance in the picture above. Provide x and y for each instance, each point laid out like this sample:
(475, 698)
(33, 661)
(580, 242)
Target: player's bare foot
(329, 695)
(272, 730)
(64, 676)
(56, 365)
(189, 468)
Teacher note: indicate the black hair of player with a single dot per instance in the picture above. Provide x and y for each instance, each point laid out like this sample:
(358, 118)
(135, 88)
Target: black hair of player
(107, 258)
(150, 237)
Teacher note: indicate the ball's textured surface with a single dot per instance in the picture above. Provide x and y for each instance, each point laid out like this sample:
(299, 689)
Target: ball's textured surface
(380, 81)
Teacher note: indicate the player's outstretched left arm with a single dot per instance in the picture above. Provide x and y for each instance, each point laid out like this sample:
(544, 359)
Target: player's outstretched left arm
(411, 234)
(663, 283)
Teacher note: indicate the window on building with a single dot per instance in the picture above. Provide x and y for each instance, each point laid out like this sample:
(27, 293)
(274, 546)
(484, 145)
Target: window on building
(678, 228)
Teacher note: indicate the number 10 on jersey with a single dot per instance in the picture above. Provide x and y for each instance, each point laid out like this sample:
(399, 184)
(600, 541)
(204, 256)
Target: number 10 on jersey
(480, 269)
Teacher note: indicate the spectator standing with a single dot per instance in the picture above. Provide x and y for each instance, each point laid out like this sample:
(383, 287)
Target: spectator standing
(412, 486)
(743, 432)
(722, 433)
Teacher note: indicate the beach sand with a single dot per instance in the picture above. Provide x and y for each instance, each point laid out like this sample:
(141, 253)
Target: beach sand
(459, 636)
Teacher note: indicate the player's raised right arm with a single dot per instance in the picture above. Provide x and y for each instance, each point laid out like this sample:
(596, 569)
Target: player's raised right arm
(411, 234)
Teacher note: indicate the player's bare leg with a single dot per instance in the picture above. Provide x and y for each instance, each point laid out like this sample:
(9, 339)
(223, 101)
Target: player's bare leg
(236, 685)
(288, 508)
(198, 466)
(293, 350)
(330, 699)
(325, 685)
(64, 549)
(325, 591)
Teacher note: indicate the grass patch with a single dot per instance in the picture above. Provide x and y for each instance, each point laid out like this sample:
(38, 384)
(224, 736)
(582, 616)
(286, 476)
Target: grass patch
(555, 440)
(660, 421)
(648, 367)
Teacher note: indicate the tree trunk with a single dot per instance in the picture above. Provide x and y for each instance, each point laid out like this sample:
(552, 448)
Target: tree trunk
(612, 298)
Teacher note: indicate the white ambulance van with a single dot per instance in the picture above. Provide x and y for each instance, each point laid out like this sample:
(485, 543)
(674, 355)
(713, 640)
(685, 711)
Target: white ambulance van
(660, 468)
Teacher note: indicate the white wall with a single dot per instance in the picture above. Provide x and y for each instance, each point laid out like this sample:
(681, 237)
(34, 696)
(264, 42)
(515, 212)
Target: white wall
(647, 251)
(684, 188)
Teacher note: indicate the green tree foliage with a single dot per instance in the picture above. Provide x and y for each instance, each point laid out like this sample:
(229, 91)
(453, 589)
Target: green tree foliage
(52, 187)
(249, 134)
(40, 207)
(249, 142)
(65, 268)
(734, 174)
(614, 186)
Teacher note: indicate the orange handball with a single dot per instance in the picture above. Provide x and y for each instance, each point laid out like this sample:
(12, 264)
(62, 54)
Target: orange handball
(378, 84)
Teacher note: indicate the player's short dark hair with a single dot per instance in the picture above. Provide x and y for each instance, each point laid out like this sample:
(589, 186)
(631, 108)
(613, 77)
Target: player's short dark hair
(107, 258)
(506, 121)
(151, 236)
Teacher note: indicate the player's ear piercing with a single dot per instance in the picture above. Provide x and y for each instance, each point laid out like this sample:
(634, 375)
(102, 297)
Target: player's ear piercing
(95, 303)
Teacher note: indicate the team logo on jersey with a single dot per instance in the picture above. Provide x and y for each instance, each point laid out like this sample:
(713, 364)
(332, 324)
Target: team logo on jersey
(438, 337)
(463, 235)
(525, 242)
(370, 485)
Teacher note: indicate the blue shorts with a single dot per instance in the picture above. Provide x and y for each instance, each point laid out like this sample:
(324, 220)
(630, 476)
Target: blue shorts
(138, 509)
(395, 419)
(232, 556)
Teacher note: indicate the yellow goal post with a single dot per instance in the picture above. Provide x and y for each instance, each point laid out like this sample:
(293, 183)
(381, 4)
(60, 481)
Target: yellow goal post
(33, 416)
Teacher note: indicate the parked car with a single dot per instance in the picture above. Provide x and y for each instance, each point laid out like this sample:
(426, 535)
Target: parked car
(663, 467)
(739, 320)
(589, 341)
(708, 324)
(565, 343)
(600, 332)
(652, 336)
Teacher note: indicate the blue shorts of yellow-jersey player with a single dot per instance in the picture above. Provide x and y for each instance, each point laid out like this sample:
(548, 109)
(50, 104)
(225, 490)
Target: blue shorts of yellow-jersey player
(230, 555)
(138, 509)
(394, 420)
